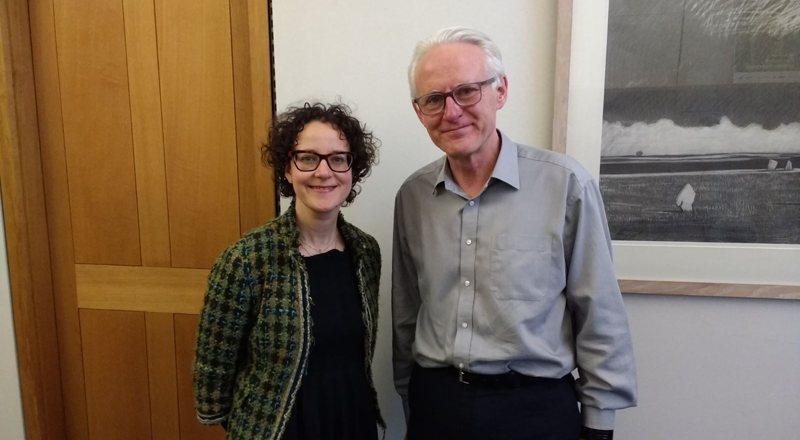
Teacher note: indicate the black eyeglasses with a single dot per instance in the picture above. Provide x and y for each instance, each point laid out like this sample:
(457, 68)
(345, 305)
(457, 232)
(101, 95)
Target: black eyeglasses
(463, 95)
(309, 160)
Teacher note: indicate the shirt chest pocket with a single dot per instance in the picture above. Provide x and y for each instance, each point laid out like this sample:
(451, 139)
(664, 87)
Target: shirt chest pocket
(521, 266)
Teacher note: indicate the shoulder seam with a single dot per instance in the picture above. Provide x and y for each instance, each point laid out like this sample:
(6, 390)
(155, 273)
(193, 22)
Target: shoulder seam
(571, 171)
(418, 174)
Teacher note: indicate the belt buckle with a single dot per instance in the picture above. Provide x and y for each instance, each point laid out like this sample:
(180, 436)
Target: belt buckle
(461, 377)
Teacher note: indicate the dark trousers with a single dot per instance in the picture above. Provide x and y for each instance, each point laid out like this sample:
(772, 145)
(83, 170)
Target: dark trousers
(444, 408)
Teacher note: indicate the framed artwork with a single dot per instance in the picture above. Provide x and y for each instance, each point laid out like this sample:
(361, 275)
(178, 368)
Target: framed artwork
(687, 112)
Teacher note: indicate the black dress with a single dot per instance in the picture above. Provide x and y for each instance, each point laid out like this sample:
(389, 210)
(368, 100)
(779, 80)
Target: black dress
(334, 401)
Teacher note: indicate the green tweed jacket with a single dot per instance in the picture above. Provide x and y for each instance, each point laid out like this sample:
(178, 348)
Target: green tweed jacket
(255, 330)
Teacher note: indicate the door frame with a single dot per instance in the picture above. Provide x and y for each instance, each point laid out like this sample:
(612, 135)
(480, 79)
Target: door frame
(26, 231)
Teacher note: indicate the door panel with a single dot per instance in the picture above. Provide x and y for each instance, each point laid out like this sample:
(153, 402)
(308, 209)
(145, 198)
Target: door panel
(144, 289)
(148, 136)
(194, 46)
(250, 49)
(163, 375)
(117, 390)
(97, 131)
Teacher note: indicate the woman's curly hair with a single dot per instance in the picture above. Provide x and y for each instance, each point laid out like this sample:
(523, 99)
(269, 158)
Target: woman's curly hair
(287, 127)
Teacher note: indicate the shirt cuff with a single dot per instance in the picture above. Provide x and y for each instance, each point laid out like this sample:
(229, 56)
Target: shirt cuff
(406, 409)
(597, 418)
(211, 419)
(596, 434)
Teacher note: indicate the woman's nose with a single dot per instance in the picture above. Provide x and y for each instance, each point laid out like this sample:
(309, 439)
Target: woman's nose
(323, 170)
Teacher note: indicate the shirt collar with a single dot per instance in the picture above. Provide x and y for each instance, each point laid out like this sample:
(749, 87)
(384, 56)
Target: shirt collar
(444, 178)
(506, 169)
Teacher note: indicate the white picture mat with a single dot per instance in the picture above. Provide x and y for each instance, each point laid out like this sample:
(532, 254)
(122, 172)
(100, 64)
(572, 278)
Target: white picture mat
(654, 261)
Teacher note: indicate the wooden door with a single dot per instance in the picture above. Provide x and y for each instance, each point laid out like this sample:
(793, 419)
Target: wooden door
(150, 115)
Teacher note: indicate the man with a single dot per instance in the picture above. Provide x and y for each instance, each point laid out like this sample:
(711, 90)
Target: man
(502, 280)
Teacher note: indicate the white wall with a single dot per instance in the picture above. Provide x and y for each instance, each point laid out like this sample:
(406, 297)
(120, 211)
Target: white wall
(11, 423)
(714, 368)
(360, 50)
(708, 368)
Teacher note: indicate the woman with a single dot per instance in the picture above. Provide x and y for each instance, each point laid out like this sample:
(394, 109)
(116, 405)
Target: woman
(288, 326)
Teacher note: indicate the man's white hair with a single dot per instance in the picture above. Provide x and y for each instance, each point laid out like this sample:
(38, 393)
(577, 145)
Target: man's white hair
(494, 60)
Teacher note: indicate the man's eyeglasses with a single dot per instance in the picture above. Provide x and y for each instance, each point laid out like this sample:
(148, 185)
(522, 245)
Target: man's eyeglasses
(463, 95)
(309, 160)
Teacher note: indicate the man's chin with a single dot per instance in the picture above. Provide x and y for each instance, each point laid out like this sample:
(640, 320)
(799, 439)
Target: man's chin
(456, 146)
(460, 143)
(459, 153)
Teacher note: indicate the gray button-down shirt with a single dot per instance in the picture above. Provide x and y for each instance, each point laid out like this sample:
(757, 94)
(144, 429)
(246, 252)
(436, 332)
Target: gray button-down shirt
(517, 278)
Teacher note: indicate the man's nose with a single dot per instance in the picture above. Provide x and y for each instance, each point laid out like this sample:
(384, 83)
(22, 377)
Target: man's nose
(451, 109)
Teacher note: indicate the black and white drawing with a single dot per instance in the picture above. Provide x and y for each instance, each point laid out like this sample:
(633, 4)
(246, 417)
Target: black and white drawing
(701, 130)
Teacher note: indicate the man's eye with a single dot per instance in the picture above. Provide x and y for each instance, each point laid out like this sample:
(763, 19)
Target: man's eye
(432, 100)
(466, 91)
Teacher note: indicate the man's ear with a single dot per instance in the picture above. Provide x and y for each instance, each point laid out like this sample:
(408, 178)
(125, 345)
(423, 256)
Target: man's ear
(416, 110)
(502, 92)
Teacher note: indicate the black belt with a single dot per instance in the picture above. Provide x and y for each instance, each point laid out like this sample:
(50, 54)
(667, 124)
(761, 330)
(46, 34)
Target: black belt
(506, 380)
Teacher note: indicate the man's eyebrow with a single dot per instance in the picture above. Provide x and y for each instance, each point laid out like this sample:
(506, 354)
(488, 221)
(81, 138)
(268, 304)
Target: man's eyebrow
(457, 85)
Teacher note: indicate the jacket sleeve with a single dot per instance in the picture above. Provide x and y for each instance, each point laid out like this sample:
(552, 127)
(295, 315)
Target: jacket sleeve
(221, 334)
(405, 307)
(375, 282)
(603, 342)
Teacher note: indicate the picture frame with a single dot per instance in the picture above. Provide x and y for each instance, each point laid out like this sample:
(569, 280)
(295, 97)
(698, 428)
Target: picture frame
(648, 267)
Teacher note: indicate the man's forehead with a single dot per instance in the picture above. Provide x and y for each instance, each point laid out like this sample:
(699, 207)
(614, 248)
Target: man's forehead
(446, 54)
(450, 64)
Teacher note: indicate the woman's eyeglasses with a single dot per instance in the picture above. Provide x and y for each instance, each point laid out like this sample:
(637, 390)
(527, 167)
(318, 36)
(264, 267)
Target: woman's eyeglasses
(309, 160)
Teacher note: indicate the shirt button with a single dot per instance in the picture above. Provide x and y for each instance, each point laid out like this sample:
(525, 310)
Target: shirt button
(467, 283)
(460, 365)
(464, 325)
(469, 242)
(471, 203)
